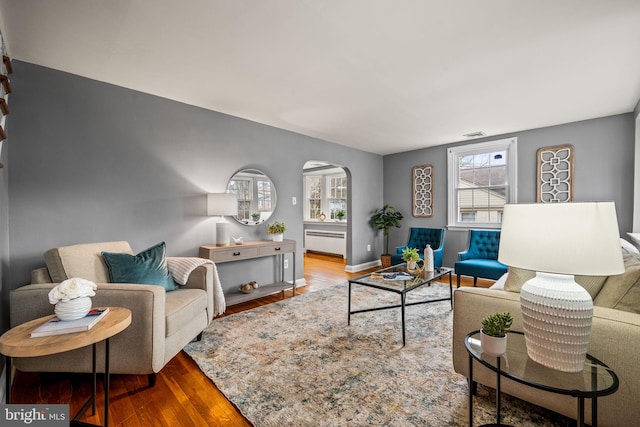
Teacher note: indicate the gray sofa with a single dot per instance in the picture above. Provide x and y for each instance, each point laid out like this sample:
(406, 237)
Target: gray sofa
(162, 322)
(615, 339)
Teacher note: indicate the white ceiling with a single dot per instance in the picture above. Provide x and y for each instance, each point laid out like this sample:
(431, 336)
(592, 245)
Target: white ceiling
(379, 75)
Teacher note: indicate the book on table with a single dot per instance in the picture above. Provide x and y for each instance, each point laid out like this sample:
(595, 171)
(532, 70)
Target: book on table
(55, 326)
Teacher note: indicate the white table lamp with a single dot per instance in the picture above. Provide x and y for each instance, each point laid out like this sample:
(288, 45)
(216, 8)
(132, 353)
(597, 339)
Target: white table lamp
(557, 241)
(222, 204)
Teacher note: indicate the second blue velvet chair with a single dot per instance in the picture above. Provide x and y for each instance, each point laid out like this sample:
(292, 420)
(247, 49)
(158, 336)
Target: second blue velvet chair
(418, 239)
(481, 257)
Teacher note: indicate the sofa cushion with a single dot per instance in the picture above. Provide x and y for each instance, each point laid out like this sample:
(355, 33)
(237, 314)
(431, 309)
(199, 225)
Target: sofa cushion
(622, 292)
(83, 260)
(517, 277)
(148, 267)
(180, 307)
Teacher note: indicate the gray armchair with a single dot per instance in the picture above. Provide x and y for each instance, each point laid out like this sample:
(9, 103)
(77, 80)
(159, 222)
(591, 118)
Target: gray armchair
(162, 322)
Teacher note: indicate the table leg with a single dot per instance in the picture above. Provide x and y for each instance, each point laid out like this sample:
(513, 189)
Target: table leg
(594, 412)
(402, 299)
(106, 382)
(7, 389)
(95, 377)
(349, 307)
(581, 411)
(498, 393)
(470, 390)
(451, 290)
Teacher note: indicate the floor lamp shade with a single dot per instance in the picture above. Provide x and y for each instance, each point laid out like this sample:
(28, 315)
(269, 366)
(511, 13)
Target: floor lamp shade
(558, 241)
(222, 204)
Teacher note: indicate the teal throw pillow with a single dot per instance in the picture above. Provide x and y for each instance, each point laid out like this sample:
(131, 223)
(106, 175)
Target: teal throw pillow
(148, 267)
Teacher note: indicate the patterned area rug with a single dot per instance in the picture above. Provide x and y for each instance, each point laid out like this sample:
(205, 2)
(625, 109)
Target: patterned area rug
(297, 363)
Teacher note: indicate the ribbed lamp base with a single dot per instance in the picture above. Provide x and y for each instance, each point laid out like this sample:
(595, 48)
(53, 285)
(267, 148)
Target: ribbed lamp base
(556, 313)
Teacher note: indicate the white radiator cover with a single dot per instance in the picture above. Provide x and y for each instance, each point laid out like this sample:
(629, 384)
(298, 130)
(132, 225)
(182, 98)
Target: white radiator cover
(331, 242)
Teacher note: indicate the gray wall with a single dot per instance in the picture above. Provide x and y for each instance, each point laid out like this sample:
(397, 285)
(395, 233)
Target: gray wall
(603, 166)
(94, 162)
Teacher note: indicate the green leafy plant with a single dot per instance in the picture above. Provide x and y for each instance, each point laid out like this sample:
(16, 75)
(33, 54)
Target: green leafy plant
(255, 216)
(276, 228)
(341, 214)
(385, 218)
(410, 254)
(497, 325)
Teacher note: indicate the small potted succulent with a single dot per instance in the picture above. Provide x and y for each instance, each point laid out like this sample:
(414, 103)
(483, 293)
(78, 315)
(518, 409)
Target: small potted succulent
(255, 216)
(340, 214)
(276, 229)
(493, 335)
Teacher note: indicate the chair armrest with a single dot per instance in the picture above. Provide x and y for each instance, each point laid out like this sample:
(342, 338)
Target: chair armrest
(203, 278)
(464, 255)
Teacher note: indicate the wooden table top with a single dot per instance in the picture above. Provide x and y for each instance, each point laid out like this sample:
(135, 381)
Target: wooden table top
(17, 342)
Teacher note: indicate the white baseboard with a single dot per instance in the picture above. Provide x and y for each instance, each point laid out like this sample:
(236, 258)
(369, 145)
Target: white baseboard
(360, 267)
(301, 282)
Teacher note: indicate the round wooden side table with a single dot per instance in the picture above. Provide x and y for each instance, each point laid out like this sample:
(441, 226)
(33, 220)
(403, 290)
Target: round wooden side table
(17, 342)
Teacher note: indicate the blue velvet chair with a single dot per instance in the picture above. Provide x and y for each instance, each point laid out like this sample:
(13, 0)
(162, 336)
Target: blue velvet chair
(481, 257)
(418, 239)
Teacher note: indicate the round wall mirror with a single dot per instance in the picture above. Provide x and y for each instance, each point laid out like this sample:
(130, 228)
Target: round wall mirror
(256, 196)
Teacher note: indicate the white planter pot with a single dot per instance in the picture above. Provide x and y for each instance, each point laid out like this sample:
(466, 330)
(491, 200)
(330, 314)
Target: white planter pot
(73, 309)
(278, 237)
(493, 346)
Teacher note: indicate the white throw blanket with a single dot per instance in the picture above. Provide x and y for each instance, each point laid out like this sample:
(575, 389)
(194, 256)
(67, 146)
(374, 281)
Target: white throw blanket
(181, 268)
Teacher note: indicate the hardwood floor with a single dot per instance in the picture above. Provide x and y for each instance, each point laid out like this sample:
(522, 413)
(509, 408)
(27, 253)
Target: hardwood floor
(183, 395)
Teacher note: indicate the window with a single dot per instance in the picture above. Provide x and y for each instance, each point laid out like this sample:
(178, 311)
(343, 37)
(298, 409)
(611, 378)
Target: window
(313, 191)
(243, 188)
(325, 194)
(482, 179)
(337, 196)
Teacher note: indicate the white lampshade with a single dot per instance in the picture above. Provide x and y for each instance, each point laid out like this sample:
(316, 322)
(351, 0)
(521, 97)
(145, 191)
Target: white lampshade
(565, 238)
(557, 241)
(222, 204)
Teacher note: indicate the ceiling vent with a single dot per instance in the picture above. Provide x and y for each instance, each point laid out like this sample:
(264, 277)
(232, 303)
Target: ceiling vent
(477, 134)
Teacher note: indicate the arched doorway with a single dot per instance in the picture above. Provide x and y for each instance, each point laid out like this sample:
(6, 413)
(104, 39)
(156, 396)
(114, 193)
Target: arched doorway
(326, 190)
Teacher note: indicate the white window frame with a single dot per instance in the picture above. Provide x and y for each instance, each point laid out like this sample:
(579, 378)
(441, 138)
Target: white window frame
(325, 180)
(510, 145)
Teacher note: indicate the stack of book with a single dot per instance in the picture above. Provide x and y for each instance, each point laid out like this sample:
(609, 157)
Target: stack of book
(56, 326)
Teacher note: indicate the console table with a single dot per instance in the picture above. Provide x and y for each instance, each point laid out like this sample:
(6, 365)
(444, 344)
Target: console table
(252, 250)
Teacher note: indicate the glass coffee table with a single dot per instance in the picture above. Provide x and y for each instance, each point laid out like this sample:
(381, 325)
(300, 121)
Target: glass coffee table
(595, 380)
(401, 287)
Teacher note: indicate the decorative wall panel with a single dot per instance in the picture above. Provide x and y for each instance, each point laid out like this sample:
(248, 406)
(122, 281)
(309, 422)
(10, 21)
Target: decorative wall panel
(423, 191)
(555, 174)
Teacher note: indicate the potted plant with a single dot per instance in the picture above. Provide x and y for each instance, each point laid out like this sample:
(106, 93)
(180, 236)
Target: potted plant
(255, 216)
(341, 214)
(411, 256)
(277, 229)
(493, 335)
(383, 219)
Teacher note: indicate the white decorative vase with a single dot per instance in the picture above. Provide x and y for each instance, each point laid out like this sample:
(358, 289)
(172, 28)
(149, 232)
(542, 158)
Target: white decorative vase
(428, 258)
(73, 309)
(493, 346)
(278, 237)
(556, 315)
